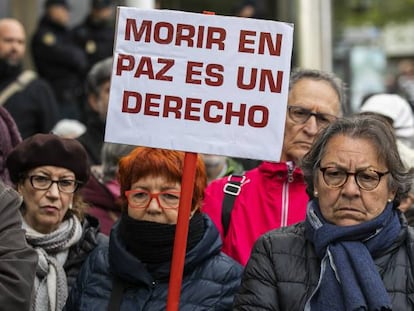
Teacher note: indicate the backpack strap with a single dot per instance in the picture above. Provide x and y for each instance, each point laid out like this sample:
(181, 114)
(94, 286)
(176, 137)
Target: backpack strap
(231, 190)
(116, 294)
(19, 84)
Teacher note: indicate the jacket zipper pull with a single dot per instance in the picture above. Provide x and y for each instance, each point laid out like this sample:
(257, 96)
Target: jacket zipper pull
(290, 168)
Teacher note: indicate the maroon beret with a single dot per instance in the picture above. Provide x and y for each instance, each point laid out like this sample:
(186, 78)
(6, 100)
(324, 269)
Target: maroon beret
(48, 149)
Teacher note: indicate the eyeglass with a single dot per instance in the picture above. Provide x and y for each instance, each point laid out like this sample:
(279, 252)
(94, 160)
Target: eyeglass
(367, 179)
(143, 198)
(301, 115)
(44, 183)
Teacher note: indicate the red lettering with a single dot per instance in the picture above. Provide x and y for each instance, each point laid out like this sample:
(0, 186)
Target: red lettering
(190, 72)
(168, 107)
(213, 111)
(190, 108)
(145, 68)
(219, 40)
(207, 111)
(161, 73)
(267, 75)
(168, 33)
(215, 78)
(120, 66)
(240, 78)
(187, 36)
(149, 104)
(244, 40)
(126, 101)
(232, 113)
(251, 117)
(266, 40)
(131, 25)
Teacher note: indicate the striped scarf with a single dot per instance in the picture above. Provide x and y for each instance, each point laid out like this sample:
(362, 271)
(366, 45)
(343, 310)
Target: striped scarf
(51, 290)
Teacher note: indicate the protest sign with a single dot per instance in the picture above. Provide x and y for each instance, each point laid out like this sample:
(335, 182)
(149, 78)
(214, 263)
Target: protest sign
(200, 83)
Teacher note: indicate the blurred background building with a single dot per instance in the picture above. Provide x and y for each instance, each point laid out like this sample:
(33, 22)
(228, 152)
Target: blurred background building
(369, 43)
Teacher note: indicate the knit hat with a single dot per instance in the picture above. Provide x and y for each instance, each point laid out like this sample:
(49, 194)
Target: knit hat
(394, 107)
(48, 149)
(9, 138)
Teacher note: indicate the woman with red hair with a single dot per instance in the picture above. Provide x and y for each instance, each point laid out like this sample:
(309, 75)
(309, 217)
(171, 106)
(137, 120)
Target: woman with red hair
(132, 272)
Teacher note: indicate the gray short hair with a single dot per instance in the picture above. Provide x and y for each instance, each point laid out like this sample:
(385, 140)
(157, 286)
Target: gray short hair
(99, 74)
(336, 83)
(369, 127)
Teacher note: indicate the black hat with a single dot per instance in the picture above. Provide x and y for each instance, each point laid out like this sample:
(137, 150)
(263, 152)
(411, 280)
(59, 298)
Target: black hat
(49, 3)
(48, 149)
(99, 4)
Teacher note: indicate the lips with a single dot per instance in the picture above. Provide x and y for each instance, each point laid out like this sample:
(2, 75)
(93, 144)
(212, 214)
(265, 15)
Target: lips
(50, 208)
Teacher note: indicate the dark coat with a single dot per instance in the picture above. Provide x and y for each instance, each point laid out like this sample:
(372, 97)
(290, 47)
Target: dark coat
(96, 39)
(34, 109)
(18, 261)
(93, 138)
(59, 61)
(90, 239)
(210, 279)
(284, 269)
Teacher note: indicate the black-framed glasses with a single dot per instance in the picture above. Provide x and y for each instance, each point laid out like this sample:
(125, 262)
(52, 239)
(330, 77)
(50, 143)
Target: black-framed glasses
(142, 198)
(301, 115)
(367, 179)
(40, 182)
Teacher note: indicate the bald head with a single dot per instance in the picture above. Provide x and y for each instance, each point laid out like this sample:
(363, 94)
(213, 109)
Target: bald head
(12, 41)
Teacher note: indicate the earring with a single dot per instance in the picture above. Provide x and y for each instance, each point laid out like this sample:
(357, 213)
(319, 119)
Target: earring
(389, 200)
(315, 194)
(70, 206)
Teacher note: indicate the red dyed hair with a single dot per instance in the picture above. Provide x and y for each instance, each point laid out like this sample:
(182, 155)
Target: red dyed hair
(145, 161)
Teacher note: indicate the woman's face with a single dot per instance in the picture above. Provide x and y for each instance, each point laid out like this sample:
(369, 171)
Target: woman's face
(154, 212)
(45, 209)
(350, 205)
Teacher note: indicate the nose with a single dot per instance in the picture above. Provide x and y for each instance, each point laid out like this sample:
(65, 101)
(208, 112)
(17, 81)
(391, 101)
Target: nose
(350, 188)
(311, 126)
(53, 190)
(153, 204)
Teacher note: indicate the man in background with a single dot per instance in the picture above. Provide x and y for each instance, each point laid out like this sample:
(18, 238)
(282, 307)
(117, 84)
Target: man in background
(95, 35)
(59, 61)
(29, 99)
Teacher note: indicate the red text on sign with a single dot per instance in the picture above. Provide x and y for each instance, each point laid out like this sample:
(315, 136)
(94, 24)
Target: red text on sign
(179, 35)
(144, 67)
(248, 43)
(265, 75)
(212, 111)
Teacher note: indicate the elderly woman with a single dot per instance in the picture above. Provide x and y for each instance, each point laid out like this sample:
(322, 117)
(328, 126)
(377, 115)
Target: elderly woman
(132, 272)
(354, 251)
(48, 171)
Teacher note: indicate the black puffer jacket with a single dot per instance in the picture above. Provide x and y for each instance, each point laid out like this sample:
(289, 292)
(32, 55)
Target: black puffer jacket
(91, 238)
(283, 271)
(210, 279)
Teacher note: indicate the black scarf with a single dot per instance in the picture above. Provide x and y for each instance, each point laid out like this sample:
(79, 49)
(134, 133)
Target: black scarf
(349, 278)
(9, 72)
(153, 242)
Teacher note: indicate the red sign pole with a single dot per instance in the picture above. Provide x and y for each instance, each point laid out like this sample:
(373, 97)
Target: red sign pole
(181, 233)
(180, 242)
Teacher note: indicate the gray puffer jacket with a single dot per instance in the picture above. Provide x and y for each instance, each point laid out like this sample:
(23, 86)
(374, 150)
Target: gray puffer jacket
(283, 271)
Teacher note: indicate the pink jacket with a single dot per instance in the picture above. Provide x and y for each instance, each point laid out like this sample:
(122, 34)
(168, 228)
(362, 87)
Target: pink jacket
(269, 199)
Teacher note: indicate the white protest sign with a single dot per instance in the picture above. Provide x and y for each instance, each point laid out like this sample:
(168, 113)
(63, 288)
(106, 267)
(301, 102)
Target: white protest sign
(200, 83)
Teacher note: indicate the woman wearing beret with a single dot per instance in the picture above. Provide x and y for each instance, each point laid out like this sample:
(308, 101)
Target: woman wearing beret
(132, 272)
(48, 171)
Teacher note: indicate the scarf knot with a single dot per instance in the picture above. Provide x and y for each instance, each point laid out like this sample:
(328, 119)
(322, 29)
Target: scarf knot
(349, 279)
